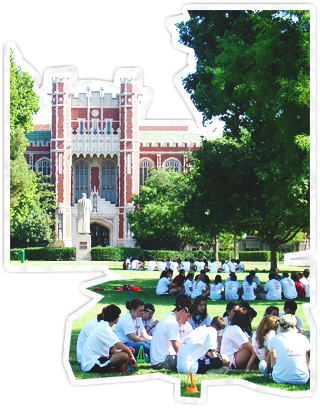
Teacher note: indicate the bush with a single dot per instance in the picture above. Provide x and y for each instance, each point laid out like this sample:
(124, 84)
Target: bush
(256, 256)
(44, 254)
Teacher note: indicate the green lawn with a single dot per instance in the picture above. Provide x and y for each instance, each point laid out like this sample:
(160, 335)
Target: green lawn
(147, 281)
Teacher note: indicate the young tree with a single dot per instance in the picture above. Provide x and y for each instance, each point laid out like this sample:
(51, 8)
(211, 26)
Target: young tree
(253, 70)
(157, 221)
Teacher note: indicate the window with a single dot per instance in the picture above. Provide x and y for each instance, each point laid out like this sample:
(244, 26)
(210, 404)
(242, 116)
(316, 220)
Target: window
(174, 164)
(109, 181)
(95, 127)
(81, 128)
(43, 166)
(81, 179)
(144, 170)
(108, 128)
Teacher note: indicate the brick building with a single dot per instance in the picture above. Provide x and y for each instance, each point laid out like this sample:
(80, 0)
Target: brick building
(97, 144)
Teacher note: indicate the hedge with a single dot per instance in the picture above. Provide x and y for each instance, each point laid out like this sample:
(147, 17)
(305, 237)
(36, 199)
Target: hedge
(44, 254)
(256, 256)
(121, 253)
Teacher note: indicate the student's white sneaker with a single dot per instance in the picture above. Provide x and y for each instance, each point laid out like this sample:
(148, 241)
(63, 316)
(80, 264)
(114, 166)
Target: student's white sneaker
(221, 370)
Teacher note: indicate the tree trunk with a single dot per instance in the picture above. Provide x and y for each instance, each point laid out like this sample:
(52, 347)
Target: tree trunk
(273, 257)
(234, 246)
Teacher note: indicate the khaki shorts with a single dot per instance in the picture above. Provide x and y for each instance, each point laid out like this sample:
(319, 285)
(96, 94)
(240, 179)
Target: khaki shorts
(170, 363)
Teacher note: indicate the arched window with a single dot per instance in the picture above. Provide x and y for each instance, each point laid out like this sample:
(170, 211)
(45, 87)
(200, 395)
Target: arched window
(43, 166)
(81, 179)
(108, 185)
(172, 163)
(144, 170)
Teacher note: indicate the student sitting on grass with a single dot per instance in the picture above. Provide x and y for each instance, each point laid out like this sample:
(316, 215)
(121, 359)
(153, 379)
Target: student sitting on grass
(147, 318)
(299, 287)
(130, 329)
(103, 352)
(249, 288)
(232, 288)
(266, 330)
(271, 310)
(200, 315)
(166, 339)
(288, 360)
(200, 287)
(196, 353)
(235, 343)
(179, 280)
(272, 289)
(217, 289)
(84, 333)
(165, 286)
(188, 284)
(290, 307)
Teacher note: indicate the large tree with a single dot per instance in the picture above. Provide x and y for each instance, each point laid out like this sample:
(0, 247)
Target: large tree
(253, 71)
(31, 198)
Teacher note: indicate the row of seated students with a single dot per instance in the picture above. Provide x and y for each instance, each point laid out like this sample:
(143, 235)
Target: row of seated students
(250, 289)
(187, 339)
(188, 264)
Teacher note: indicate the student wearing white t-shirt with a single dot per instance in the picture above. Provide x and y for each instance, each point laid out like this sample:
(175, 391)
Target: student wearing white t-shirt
(288, 287)
(266, 329)
(188, 284)
(165, 286)
(200, 287)
(103, 352)
(232, 288)
(235, 343)
(130, 329)
(166, 338)
(162, 265)
(186, 265)
(305, 281)
(213, 266)
(196, 353)
(152, 265)
(217, 289)
(147, 318)
(249, 288)
(200, 315)
(289, 354)
(84, 333)
(272, 289)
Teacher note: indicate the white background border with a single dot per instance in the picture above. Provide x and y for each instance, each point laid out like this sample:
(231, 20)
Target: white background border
(97, 38)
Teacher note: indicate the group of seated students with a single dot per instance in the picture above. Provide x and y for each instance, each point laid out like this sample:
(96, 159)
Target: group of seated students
(187, 339)
(188, 264)
(276, 288)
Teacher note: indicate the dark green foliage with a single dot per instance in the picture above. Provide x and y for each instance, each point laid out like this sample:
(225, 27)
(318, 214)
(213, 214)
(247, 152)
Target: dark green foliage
(253, 71)
(44, 254)
(255, 256)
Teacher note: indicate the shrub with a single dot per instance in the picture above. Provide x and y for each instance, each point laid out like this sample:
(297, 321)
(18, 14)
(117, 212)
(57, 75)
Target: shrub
(44, 254)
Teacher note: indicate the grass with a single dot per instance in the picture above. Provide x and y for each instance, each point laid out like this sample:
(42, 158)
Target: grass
(147, 281)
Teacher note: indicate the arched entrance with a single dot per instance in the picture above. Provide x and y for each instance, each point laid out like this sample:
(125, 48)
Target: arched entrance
(99, 235)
